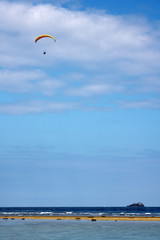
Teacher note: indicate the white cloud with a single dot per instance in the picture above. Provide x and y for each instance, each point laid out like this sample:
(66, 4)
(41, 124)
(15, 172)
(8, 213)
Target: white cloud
(35, 107)
(96, 89)
(141, 104)
(28, 81)
(108, 54)
(81, 36)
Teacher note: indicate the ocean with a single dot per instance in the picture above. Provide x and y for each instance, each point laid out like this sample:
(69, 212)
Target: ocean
(77, 230)
(81, 211)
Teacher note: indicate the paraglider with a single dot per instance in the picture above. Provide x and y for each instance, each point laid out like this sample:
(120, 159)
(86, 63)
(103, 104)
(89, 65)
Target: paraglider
(44, 36)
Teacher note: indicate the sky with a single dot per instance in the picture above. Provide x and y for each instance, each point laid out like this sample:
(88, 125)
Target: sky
(79, 125)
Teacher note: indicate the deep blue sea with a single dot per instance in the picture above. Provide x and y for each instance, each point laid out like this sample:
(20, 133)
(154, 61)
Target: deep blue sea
(77, 230)
(81, 211)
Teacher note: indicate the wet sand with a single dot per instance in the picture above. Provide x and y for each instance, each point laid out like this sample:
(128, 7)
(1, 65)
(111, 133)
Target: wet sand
(89, 218)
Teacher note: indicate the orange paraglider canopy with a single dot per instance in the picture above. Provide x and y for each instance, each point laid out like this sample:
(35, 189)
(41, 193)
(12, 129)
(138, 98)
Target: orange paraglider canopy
(43, 36)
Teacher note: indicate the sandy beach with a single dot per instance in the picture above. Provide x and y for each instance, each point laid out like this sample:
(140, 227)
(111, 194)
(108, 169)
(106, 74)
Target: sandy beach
(89, 218)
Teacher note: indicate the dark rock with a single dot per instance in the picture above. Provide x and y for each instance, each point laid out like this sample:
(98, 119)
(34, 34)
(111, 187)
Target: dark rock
(136, 205)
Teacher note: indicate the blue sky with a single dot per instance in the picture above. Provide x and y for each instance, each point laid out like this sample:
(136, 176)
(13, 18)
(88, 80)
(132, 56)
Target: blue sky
(80, 125)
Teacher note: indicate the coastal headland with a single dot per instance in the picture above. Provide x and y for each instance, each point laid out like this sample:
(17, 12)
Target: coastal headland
(90, 218)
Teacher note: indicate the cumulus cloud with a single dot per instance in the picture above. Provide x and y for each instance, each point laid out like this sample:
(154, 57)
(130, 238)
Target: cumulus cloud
(81, 36)
(28, 81)
(123, 50)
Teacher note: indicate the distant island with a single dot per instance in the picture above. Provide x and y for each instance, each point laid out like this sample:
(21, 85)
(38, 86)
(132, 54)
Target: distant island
(136, 205)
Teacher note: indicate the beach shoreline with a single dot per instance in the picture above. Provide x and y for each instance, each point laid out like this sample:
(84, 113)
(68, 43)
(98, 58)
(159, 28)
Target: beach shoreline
(89, 218)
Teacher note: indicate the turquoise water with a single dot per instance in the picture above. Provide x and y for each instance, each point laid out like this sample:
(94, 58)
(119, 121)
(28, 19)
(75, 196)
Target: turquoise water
(78, 230)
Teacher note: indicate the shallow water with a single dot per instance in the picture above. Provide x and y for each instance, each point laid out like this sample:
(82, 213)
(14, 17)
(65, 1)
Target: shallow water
(78, 230)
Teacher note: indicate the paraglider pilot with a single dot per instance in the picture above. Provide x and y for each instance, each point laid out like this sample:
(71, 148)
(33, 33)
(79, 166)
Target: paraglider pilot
(43, 36)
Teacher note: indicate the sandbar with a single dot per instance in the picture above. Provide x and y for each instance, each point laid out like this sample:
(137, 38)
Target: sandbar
(89, 218)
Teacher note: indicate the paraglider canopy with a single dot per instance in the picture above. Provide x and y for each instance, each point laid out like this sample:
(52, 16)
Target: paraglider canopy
(44, 36)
